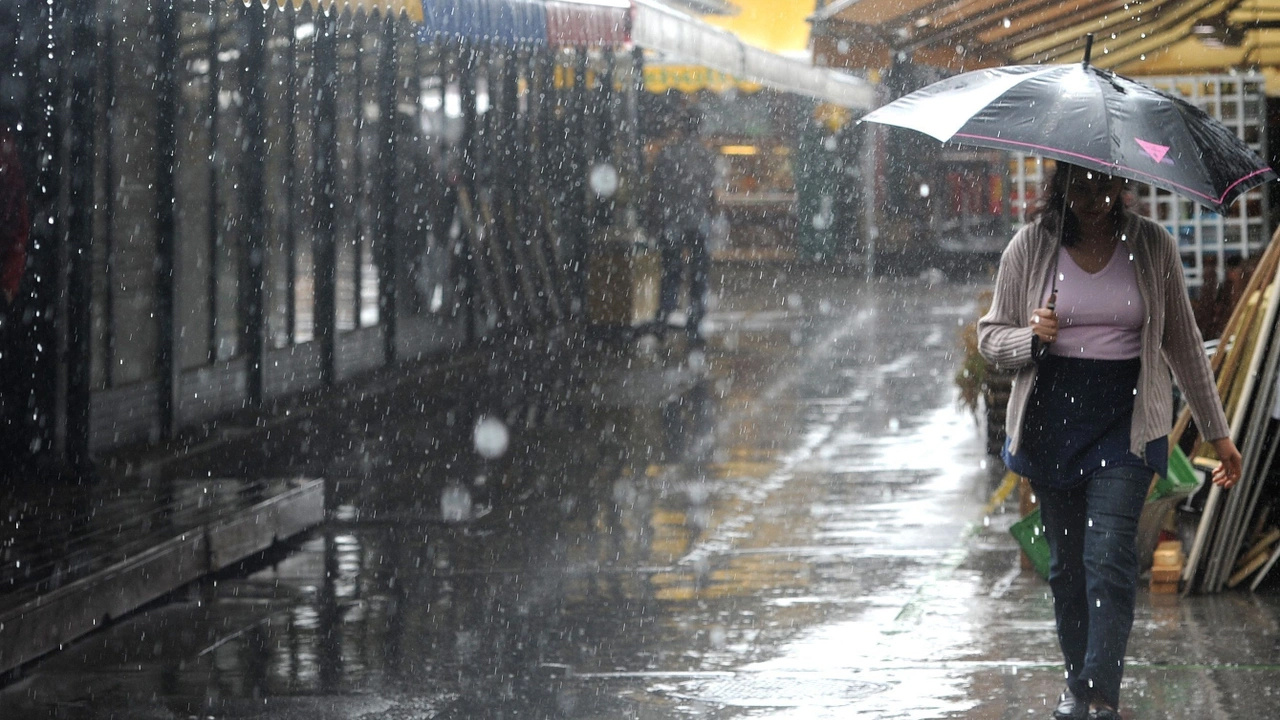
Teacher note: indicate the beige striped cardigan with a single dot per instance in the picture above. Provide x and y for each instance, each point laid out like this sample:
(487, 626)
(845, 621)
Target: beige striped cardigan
(1170, 339)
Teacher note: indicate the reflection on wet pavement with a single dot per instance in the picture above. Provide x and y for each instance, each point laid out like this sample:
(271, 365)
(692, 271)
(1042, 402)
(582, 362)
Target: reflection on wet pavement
(787, 526)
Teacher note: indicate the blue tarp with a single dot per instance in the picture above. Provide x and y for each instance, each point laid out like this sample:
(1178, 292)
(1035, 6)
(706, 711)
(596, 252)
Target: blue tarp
(510, 22)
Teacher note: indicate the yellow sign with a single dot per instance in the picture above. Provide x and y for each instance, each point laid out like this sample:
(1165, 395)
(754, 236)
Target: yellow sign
(692, 78)
(833, 117)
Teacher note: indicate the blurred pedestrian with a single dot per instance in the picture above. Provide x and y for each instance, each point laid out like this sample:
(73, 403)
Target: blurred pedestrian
(1205, 306)
(682, 193)
(1091, 311)
(1232, 289)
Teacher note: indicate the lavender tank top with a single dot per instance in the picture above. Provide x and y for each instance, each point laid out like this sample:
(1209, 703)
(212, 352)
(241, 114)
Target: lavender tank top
(1100, 315)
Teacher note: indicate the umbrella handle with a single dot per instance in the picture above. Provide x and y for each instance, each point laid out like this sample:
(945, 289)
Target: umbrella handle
(1062, 219)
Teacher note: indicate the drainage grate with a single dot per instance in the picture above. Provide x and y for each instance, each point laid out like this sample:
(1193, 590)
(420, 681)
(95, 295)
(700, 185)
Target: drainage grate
(776, 690)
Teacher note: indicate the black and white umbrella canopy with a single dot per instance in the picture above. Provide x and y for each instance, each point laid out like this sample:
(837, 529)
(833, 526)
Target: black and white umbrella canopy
(1091, 117)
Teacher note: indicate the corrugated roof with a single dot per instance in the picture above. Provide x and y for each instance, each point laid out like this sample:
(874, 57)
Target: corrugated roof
(1132, 36)
(505, 21)
(603, 22)
(411, 8)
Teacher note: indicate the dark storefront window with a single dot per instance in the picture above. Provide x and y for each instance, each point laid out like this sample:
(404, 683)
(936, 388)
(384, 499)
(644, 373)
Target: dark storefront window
(196, 210)
(124, 278)
(281, 105)
(226, 255)
(304, 290)
(348, 184)
(425, 216)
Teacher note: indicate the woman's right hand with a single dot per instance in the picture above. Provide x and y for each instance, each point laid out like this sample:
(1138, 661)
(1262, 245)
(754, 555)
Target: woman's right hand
(1044, 321)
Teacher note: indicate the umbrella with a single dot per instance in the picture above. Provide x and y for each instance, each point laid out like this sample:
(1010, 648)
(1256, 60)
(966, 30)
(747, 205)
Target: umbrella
(1090, 117)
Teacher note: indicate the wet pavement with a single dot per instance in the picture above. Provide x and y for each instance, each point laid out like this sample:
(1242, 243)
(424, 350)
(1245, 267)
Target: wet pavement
(787, 523)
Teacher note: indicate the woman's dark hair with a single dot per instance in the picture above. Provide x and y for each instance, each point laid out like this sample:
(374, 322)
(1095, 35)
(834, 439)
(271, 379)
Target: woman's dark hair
(1056, 216)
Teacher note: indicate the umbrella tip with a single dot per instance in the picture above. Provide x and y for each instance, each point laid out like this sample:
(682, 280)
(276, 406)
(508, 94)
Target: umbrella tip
(1088, 47)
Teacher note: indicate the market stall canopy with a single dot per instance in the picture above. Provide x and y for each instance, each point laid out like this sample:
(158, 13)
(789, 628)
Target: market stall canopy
(661, 78)
(505, 21)
(534, 22)
(649, 24)
(599, 22)
(411, 8)
(510, 22)
(686, 39)
(1152, 37)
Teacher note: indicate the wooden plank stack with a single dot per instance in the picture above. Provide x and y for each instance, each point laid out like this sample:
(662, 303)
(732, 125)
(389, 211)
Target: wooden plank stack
(1166, 567)
(1233, 541)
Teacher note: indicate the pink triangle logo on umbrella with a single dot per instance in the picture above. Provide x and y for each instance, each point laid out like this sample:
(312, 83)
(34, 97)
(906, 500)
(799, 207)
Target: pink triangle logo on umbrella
(1157, 152)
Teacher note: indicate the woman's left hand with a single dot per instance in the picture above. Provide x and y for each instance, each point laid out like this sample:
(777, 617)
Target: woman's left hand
(1228, 473)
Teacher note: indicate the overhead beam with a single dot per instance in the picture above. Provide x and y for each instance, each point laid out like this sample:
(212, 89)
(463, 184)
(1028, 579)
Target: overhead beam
(1066, 43)
(994, 14)
(1039, 26)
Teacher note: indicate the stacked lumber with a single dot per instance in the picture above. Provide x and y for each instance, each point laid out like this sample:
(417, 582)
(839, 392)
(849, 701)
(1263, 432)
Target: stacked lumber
(1228, 546)
(1261, 550)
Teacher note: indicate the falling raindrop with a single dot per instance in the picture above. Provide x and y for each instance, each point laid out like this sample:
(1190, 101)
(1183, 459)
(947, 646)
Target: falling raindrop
(491, 437)
(603, 180)
(455, 503)
(718, 636)
(647, 344)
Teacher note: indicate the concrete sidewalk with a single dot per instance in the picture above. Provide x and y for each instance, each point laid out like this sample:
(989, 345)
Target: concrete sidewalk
(789, 525)
(80, 553)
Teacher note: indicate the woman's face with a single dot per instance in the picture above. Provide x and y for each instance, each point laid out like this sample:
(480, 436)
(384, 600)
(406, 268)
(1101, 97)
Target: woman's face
(1091, 195)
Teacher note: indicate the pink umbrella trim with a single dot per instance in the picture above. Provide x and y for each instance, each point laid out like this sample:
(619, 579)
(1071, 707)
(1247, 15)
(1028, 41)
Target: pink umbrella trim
(1218, 200)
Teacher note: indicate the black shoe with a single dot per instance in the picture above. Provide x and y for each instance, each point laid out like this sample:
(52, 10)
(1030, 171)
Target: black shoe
(1104, 713)
(1069, 708)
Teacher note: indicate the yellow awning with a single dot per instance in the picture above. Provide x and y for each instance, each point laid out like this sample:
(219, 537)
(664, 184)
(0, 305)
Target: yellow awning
(691, 79)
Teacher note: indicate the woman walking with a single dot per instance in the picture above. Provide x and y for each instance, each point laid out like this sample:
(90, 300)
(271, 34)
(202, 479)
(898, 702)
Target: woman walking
(1091, 311)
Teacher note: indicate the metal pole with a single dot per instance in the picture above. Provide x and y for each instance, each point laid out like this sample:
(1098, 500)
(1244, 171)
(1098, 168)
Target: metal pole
(870, 199)
(388, 311)
(637, 139)
(291, 179)
(467, 57)
(577, 187)
(212, 216)
(79, 219)
(166, 24)
(253, 68)
(108, 238)
(325, 63)
(359, 197)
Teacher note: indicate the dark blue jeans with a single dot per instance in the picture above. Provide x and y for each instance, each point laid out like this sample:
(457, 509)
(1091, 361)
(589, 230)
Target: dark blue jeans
(1092, 531)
